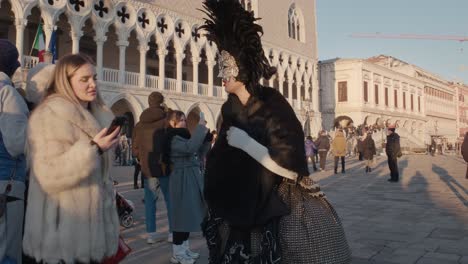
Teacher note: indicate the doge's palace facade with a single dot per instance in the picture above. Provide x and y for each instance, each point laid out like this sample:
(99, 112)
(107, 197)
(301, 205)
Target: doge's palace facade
(145, 46)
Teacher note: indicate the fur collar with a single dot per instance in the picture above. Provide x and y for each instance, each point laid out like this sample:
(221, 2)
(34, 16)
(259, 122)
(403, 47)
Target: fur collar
(89, 121)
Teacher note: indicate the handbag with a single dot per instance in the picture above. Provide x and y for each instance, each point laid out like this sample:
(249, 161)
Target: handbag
(122, 251)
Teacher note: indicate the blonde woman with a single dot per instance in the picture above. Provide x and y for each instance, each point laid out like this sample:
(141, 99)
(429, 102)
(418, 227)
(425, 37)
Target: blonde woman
(71, 215)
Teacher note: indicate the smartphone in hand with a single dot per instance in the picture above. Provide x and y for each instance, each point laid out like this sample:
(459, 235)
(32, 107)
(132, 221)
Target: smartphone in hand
(118, 121)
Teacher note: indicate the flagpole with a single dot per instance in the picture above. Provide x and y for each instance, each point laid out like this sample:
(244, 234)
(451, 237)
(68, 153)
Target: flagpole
(35, 38)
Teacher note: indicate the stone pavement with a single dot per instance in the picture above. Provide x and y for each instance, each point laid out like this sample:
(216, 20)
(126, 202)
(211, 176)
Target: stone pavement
(422, 219)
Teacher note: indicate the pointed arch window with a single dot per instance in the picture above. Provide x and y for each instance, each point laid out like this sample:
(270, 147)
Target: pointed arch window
(249, 5)
(296, 24)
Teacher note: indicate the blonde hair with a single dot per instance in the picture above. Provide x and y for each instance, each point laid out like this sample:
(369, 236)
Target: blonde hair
(64, 70)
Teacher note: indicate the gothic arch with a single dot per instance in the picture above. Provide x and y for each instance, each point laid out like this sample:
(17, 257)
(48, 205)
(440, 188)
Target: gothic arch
(134, 103)
(206, 110)
(296, 25)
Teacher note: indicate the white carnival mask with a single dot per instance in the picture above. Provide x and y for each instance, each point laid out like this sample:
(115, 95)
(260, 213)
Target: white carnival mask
(227, 66)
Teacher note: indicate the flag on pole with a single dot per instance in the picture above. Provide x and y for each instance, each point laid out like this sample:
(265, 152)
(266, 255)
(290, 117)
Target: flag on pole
(39, 43)
(53, 45)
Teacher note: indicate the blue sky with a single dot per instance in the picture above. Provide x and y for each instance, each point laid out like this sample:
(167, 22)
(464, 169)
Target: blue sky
(337, 19)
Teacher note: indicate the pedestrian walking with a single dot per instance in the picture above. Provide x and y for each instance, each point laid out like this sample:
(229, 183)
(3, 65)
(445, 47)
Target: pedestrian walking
(323, 146)
(184, 153)
(339, 150)
(71, 215)
(263, 206)
(464, 151)
(369, 150)
(136, 173)
(13, 125)
(392, 148)
(310, 150)
(124, 149)
(148, 144)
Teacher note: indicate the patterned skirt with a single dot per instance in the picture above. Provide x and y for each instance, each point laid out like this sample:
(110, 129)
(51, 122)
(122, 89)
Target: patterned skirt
(312, 233)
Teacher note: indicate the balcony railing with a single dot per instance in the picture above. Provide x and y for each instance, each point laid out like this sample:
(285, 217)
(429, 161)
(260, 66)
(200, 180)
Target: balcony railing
(187, 87)
(110, 75)
(132, 78)
(218, 91)
(170, 84)
(202, 89)
(151, 81)
(29, 61)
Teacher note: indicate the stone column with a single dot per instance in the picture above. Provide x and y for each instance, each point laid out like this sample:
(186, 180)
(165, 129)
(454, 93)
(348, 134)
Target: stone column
(122, 44)
(20, 24)
(299, 95)
(48, 29)
(143, 48)
(210, 64)
(195, 62)
(162, 52)
(290, 94)
(76, 36)
(99, 55)
(306, 89)
(280, 84)
(179, 58)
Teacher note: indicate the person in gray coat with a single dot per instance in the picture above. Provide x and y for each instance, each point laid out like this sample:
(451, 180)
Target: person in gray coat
(185, 152)
(13, 125)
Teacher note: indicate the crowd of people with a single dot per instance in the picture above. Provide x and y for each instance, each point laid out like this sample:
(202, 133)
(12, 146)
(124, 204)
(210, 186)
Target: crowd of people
(247, 187)
(55, 165)
(355, 143)
(55, 168)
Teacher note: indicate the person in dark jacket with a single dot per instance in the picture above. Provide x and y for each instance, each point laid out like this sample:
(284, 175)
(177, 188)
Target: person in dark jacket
(310, 150)
(368, 150)
(148, 143)
(323, 146)
(259, 161)
(13, 126)
(464, 151)
(393, 151)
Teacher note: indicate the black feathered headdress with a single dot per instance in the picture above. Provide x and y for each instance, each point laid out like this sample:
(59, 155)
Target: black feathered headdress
(234, 30)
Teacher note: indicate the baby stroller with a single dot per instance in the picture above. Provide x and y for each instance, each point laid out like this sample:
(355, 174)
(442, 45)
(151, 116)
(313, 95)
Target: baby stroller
(124, 208)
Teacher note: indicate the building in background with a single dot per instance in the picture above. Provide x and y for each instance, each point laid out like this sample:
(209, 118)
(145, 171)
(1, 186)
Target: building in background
(373, 95)
(142, 46)
(462, 108)
(440, 99)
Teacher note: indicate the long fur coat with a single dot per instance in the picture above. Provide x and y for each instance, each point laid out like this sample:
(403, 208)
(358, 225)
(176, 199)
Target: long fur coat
(237, 187)
(71, 214)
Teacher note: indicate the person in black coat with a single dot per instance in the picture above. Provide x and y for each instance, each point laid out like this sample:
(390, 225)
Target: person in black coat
(392, 148)
(464, 151)
(323, 146)
(368, 151)
(260, 148)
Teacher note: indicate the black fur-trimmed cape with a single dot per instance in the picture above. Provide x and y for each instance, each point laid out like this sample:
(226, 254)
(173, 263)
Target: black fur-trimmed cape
(238, 188)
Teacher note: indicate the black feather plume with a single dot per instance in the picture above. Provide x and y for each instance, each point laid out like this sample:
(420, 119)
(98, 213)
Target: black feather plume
(233, 29)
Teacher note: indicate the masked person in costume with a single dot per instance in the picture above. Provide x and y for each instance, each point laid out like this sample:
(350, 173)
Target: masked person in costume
(263, 207)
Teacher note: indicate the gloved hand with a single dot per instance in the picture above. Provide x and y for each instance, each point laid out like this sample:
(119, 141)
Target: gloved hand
(237, 137)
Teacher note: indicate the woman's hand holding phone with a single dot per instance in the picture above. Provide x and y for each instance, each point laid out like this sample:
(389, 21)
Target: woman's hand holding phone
(104, 141)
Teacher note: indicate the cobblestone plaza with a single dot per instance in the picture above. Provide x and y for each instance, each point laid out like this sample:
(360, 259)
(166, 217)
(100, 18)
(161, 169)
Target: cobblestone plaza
(422, 219)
